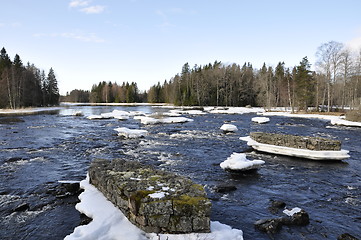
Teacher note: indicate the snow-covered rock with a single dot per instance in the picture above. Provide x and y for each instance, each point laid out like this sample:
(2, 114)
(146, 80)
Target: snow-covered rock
(296, 152)
(229, 128)
(260, 119)
(131, 133)
(239, 162)
(110, 223)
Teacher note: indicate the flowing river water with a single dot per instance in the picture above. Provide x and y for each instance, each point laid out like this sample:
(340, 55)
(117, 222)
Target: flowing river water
(37, 151)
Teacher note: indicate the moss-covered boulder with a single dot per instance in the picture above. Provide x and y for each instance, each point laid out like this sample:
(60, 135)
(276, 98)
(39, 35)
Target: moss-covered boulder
(293, 141)
(154, 200)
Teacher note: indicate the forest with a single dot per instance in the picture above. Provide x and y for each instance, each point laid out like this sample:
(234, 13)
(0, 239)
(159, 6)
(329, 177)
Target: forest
(25, 86)
(334, 85)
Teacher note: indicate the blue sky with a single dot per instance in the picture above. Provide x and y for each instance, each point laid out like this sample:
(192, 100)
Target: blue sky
(146, 41)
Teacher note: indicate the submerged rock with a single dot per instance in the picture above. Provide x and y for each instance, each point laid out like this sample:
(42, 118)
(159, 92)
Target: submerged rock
(10, 120)
(276, 205)
(22, 207)
(346, 236)
(272, 225)
(223, 188)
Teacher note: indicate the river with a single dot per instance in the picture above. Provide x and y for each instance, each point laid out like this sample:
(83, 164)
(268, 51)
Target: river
(37, 151)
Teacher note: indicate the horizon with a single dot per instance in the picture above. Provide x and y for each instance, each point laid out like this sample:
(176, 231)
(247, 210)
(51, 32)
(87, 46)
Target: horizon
(90, 41)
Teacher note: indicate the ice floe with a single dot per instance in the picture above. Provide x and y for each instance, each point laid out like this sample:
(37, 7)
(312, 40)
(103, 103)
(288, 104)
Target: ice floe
(131, 133)
(229, 128)
(150, 120)
(260, 119)
(296, 152)
(239, 162)
(110, 223)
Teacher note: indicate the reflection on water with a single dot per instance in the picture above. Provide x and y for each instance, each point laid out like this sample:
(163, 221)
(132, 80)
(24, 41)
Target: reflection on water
(42, 149)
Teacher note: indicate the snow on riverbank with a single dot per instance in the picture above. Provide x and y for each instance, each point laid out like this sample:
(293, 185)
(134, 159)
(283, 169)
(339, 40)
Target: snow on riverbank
(110, 223)
(239, 162)
(29, 110)
(335, 120)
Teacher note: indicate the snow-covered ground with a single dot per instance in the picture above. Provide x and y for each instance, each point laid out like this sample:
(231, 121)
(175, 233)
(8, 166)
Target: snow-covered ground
(229, 128)
(110, 223)
(296, 152)
(29, 110)
(131, 133)
(234, 110)
(239, 162)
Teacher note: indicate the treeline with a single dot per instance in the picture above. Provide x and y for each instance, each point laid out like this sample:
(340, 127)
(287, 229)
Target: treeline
(108, 92)
(335, 83)
(25, 86)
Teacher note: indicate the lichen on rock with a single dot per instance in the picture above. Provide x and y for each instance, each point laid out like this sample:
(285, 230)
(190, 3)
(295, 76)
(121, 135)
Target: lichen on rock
(153, 200)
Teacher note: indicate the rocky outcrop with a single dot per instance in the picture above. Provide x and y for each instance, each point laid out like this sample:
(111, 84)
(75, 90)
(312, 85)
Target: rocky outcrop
(302, 142)
(153, 200)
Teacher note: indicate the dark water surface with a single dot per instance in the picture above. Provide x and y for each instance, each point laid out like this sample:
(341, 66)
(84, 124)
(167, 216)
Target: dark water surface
(42, 149)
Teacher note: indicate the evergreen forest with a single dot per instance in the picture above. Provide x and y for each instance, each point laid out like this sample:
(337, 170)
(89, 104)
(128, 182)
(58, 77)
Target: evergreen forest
(25, 86)
(334, 85)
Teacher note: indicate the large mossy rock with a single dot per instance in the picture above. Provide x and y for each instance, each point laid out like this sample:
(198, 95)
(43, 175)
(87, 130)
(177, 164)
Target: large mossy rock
(154, 200)
(293, 141)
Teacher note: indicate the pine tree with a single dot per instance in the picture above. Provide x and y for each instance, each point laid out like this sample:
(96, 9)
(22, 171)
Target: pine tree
(52, 88)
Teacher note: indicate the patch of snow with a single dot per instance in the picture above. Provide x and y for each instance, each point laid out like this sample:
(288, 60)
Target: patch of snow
(131, 133)
(343, 122)
(149, 120)
(229, 128)
(157, 195)
(238, 161)
(292, 211)
(296, 152)
(110, 223)
(191, 112)
(68, 181)
(29, 110)
(97, 117)
(260, 119)
(118, 114)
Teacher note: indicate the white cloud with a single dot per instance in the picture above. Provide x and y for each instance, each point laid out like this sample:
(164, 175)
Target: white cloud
(93, 9)
(78, 3)
(355, 43)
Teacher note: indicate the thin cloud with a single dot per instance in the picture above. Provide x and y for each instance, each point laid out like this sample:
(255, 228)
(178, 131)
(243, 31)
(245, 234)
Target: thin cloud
(93, 9)
(78, 3)
(90, 37)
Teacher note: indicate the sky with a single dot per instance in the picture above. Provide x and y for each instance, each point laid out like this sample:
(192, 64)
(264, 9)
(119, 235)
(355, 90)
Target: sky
(148, 41)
